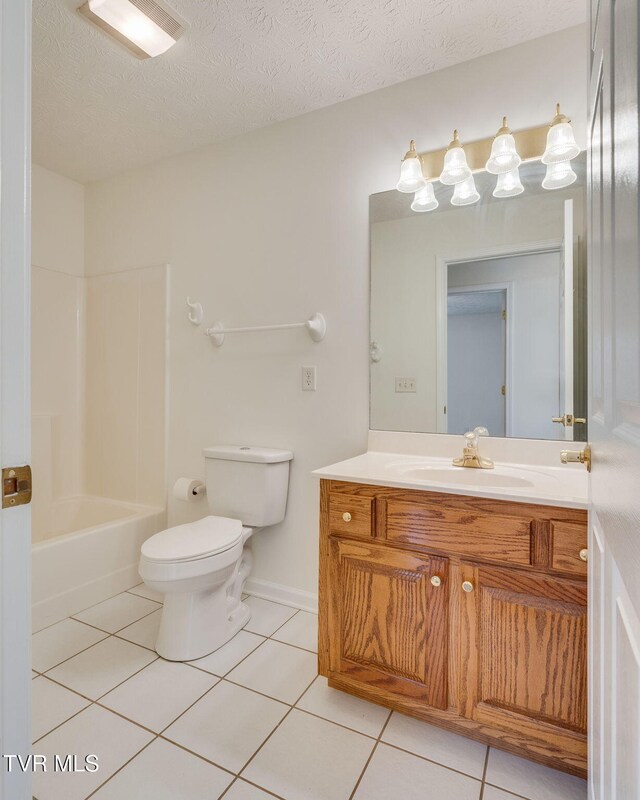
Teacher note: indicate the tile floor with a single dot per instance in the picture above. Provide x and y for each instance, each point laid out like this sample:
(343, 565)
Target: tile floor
(252, 721)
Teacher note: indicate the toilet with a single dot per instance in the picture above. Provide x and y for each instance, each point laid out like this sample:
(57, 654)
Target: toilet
(201, 567)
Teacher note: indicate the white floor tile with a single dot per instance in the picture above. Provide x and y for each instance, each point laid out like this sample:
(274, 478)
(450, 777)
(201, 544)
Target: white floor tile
(163, 771)
(230, 654)
(277, 670)
(61, 641)
(266, 617)
(93, 731)
(158, 694)
(394, 774)
(51, 705)
(241, 790)
(228, 725)
(142, 590)
(436, 744)
(301, 631)
(310, 759)
(143, 632)
(343, 708)
(95, 671)
(491, 793)
(117, 612)
(534, 781)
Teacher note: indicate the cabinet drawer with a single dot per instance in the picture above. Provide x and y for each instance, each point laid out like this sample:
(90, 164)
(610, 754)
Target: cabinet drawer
(461, 530)
(351, 514)
(568, 541)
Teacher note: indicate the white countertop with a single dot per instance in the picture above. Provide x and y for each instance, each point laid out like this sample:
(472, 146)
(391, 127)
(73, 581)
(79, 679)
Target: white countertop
(564, 486)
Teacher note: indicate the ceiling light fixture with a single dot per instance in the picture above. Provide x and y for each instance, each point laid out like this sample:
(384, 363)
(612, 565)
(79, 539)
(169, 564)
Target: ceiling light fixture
(425, 199)
(508, 184)
(465, 193)
(561, 143)
(411, 177)
(455, 168)
(504, 156)
(558, 176)
(146, 27)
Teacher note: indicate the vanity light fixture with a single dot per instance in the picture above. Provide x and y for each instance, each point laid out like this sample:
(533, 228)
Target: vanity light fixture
(455, 169)
(411, 177)
(558, 175)
(425, 199)
(504, 156)
(508, 184)
(561, 143)
(146, 27)
(465, 193)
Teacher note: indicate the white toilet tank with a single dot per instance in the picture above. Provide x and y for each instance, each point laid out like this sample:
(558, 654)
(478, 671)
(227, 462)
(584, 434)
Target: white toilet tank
(247, 483)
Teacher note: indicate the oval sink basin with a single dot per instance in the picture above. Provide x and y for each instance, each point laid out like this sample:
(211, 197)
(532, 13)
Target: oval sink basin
(466, 477)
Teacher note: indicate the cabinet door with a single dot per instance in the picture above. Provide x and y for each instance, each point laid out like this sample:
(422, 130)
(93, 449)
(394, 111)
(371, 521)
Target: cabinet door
(388, 619)
(524, 662)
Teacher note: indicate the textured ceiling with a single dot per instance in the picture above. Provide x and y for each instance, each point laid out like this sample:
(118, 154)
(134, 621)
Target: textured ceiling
(243, 64)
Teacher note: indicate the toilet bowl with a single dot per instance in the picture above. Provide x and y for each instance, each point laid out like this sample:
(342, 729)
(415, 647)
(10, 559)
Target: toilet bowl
(201, 567)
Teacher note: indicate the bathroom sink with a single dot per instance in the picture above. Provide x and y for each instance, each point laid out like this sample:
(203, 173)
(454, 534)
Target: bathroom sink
(465, 477)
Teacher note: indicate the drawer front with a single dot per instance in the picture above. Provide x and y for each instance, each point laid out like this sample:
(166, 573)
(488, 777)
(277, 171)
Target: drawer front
(351, 514)
(568, 544)
(461, 531)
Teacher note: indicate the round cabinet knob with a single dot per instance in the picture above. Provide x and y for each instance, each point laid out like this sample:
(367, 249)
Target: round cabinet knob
(467, 586)
(346, 516)
(436, 580)
(583, 554)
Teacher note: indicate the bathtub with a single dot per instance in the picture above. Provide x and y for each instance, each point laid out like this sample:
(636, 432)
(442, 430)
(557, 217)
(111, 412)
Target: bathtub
(86, 549)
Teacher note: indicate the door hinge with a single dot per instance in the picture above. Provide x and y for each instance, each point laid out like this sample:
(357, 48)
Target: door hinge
(503, 390)
(504, 313)
(16, 486)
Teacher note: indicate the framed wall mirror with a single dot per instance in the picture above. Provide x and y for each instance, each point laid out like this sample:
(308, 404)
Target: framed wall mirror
(479, 312)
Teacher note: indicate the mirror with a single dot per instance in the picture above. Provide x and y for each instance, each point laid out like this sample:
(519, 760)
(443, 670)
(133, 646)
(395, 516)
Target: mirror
(478, 312)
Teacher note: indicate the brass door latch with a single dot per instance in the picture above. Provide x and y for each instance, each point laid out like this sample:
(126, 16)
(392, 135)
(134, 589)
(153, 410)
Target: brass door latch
(577, 457)
(568, 420)
(16, 486)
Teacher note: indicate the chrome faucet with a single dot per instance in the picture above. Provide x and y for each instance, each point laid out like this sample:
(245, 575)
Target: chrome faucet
(470, 455)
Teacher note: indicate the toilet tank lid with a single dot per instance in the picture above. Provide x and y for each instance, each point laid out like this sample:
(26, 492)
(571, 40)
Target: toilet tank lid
(259, 455)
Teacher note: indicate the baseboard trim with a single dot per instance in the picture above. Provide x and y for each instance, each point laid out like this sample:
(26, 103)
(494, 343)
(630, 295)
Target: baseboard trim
(279, 593)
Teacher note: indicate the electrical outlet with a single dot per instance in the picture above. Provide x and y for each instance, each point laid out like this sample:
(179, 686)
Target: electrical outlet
(405, 384)
(308, 379)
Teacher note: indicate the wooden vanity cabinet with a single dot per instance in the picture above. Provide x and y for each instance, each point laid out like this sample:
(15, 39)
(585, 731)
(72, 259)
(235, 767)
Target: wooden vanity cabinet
(466, 612)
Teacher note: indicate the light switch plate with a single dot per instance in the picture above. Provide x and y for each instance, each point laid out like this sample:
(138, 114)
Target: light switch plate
(405, 384)
(308, 379)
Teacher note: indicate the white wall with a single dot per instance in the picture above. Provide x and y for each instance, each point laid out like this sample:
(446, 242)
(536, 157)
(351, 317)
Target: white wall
(57, 355)
(273, 226)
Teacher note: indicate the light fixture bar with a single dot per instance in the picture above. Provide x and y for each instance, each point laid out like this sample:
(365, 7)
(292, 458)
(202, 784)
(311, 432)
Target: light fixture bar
(530, 142)
(147, 28)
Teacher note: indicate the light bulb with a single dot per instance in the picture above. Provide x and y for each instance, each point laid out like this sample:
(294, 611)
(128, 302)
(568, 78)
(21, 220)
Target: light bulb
(561, 143)
(455, 168)
(425, 199)
(558, 176)
(504, 156)
(508, 184)
(465, 193)
(411, 177)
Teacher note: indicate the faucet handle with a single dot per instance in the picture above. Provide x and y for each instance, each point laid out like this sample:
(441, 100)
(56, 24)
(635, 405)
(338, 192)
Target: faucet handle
(481, 431)
(470, 439)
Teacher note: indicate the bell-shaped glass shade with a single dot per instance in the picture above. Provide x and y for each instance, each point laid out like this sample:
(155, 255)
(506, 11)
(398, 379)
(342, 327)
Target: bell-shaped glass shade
(561, 144)
(455, 169)
(508, 184)
(558, 176)
(411, 177)
(465, 193)
(425, 199)
(504, 156)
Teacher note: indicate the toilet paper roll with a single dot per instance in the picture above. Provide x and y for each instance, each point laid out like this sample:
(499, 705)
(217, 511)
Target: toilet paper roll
(188, 489)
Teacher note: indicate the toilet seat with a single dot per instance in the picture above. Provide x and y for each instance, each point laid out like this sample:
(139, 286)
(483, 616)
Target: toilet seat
(194, 541)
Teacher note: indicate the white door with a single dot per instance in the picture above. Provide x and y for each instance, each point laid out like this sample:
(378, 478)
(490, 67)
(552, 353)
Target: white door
(566, 319)
(614, 398)
(15, 523)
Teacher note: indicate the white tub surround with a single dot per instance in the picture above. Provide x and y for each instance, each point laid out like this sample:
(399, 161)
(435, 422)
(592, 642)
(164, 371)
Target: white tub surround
(89, 552)
(525, 471)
